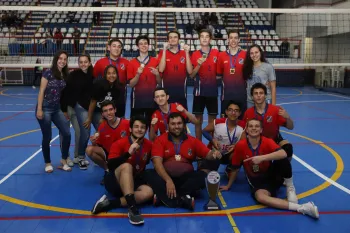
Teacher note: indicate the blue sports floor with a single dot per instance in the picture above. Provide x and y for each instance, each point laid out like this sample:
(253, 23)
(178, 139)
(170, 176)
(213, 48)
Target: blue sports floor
(34, 202)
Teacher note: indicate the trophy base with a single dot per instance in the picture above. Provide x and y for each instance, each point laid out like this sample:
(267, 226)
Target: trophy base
(212, 205)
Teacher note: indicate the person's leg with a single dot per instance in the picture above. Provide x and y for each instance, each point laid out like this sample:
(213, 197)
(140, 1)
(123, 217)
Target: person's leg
(74, 121)
(46, 130)
(62, 124)
(96, 119)
(98, 156)
(211, 104)
(198, 109)
(192, 182)
(264, 197)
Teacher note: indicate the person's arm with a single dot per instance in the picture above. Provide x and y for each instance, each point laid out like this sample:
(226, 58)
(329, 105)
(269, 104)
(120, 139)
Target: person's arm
(158, 166)
(43, 85)
(136, 78)
(189, 115)
(156, 73)
(162, 60)
(153, 130)
(273, 92)
(197, 67)
(276, 155)
(92, 107)
(207, 133)
(119, 158)
(231, 179)
(189, 66)
(289, 122)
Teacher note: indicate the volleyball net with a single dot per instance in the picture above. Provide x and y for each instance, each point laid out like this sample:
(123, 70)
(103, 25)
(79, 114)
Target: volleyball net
(315, 42)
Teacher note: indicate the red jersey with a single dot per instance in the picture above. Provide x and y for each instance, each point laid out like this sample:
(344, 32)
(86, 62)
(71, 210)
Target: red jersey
(189, 149)
(175, 73)
(139, 159)
(162, 124)
(233, 84)
(120, 63)
(142, 92)
(244, 151)
(270, 118)
(205, 82)
(108, 135)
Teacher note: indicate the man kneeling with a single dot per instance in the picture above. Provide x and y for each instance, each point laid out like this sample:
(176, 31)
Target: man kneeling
(127, 160)
(266, 166)
(174, 181)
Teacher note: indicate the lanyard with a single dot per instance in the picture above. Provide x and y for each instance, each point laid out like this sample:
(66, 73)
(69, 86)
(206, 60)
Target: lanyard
(228, 134)
(143, 62)
(177, 147)
(262, 114)
(256, 151)
(116, 62)
(233, 65)
(139, 154)
(165, 118)
(206, 53)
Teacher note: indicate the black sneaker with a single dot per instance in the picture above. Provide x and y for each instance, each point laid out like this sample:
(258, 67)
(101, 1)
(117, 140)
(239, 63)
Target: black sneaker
(102, 205)
(187, 202)
(135, 217)
(156, 201)
(82, 164)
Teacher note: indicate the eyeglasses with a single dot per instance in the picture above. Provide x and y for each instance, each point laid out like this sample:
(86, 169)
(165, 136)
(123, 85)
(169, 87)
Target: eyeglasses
(230, 110)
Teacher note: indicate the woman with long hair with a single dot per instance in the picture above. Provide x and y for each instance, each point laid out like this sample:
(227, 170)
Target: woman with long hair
(75, 105)
(256, 69)
(48, 109)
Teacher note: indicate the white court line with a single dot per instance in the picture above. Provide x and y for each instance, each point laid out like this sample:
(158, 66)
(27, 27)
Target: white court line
(319, 174)
(340, 96)
(24, 163)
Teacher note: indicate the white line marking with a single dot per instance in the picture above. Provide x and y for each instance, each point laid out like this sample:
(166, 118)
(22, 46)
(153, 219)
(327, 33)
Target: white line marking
(340, 96)
(24, 163)
(319, 174)
(313, 101)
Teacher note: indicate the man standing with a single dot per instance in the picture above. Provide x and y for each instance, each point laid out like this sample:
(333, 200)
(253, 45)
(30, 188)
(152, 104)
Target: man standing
(205, 90)
(115, 48)
(174, 180)
(143, 77)
(229, 69)
(126, 162)
(175, 63)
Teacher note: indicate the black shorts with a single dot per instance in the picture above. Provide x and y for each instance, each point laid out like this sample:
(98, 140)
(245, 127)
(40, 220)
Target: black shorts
(271, 182)
(242, 104)
(279, 138)
(178, 99)
(212, 165)
(201, 102)
(120, 110)
(112, 186)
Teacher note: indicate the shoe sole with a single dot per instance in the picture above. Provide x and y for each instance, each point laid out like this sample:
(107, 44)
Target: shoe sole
(97, 202)
(317, 214)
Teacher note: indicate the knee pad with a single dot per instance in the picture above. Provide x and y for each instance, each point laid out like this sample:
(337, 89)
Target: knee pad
(288, 148)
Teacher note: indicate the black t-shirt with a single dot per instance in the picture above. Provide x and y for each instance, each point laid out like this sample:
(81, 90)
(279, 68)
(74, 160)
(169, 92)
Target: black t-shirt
(103, 91)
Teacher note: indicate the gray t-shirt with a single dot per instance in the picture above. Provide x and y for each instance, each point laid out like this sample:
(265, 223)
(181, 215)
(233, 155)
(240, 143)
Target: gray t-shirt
(262, 74)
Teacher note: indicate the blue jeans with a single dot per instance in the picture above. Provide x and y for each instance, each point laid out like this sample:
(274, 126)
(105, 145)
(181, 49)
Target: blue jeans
(53, 113)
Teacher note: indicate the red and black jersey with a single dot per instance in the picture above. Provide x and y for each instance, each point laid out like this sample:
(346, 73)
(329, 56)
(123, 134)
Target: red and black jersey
(142, 92)
(109, 135)
(205, 82)
(233, 84)
(139, 159)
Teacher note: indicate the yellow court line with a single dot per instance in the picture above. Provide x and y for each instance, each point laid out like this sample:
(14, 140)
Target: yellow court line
(222, 200)
(336, 175)
(233, 223)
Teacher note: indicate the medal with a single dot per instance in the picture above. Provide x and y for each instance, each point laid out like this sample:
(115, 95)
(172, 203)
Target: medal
(177, 148)
(137, 167)
(255, 168)
(205, 55)
(142, 65)
(233, 64)
(178, 157)
(232, 71)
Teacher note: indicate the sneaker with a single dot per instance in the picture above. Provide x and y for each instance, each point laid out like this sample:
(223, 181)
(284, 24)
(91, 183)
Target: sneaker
(102, 205)
(291, 195)
(69, 162)
(82, 164)
(76, 160)
(187, 202)
(156, 201)
(135, 217)
(309, 209)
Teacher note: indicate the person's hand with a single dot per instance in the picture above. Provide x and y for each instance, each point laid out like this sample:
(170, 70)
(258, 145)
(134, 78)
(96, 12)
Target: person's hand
(134, 147)
(282, 112)
(255, 159)
(154, 121)
(216, 144)
(230, 148)
(94, 138)
(170, 189)
(180, 108)
(87, 123)
(40, 114)
(140, 70)
(201, 60)
(186, 48)
(224, 188)
(166, 46)
(154, 71)
(217, 154)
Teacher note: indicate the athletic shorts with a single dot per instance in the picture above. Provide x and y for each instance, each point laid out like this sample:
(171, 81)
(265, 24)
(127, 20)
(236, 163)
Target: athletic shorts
(112, 186)
(179, 99)
(271, 182)
(202, 102)
(213, 165)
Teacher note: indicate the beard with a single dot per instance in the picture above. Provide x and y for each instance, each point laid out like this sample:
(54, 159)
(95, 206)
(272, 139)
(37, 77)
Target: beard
(174, 135)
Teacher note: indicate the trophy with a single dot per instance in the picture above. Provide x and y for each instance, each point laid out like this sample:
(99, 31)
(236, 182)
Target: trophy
(212, 182)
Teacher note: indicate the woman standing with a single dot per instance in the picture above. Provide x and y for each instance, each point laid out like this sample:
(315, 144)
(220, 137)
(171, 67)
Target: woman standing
(256, 69)
(48, 109)
(38, 72)
(75, 105)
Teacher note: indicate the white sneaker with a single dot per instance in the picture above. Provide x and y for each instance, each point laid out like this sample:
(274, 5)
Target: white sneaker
(69, 162)
(309, 209)
(33, 87)
(291, 195)
(76, 161)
